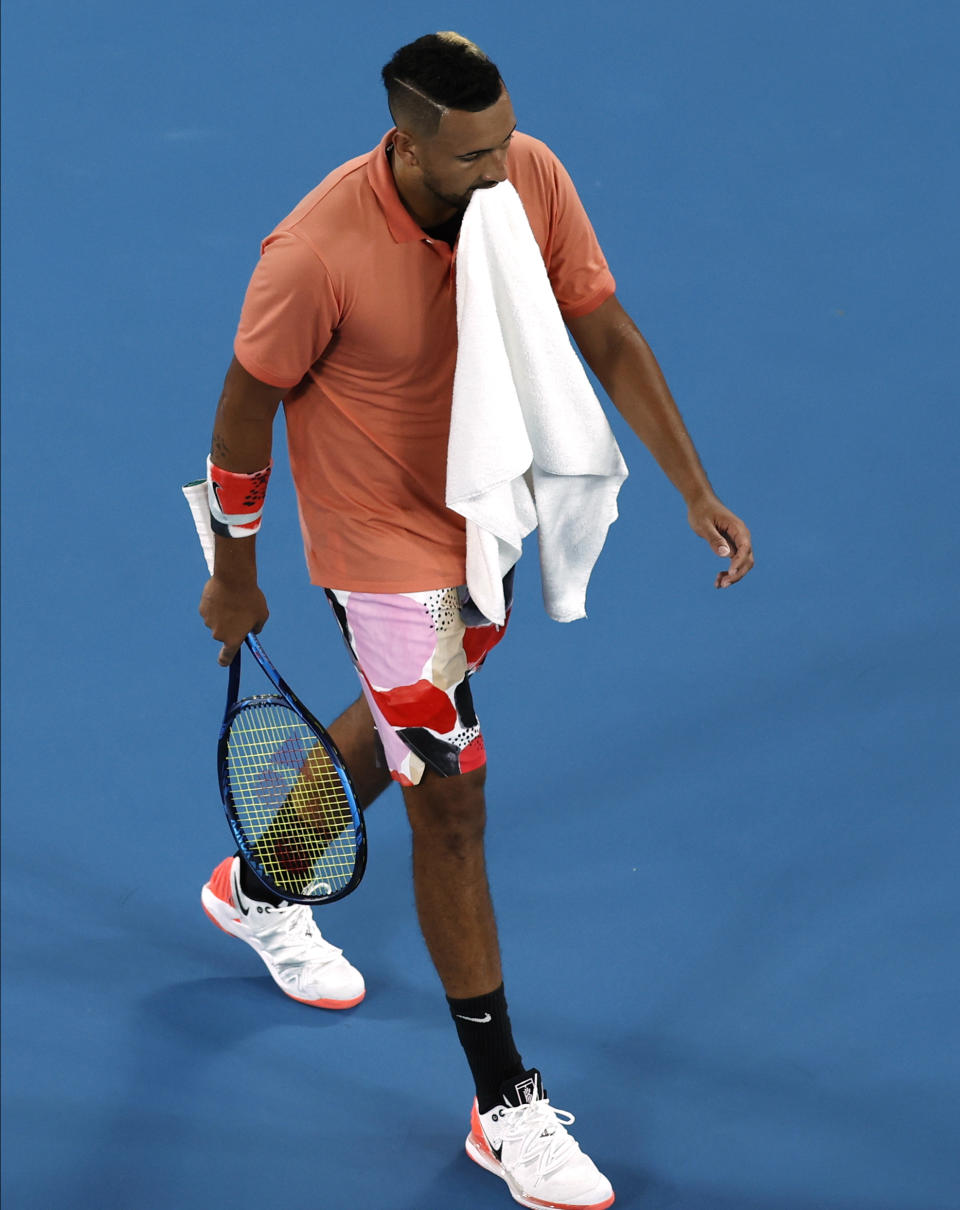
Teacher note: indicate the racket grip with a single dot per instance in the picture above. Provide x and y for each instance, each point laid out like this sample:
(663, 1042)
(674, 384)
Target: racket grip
(196, 494)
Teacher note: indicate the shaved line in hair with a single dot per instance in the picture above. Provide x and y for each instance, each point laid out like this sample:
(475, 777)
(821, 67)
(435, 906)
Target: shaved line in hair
(423, 96)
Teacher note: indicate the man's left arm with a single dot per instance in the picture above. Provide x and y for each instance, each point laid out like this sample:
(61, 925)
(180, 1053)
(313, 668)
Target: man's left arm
(617, 353)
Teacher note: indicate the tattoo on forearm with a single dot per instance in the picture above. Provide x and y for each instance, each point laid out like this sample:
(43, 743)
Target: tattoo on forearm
(219, 448)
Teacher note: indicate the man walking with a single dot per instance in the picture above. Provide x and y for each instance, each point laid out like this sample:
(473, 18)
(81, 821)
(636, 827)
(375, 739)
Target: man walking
(350, 320)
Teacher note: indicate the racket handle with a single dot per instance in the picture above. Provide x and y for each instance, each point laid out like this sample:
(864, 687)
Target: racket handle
(196, 494)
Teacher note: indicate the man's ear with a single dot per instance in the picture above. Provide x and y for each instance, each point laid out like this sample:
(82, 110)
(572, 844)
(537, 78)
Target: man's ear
(405, 146)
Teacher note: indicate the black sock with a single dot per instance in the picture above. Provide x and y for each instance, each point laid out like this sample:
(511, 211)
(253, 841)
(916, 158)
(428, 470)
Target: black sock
(483, 1026)
(253, 888)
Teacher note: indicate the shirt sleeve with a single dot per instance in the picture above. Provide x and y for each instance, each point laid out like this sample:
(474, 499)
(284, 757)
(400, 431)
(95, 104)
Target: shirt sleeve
(289, 313)
(578, 270)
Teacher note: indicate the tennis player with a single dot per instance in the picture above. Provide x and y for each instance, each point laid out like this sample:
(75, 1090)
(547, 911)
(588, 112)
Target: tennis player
(350, 321)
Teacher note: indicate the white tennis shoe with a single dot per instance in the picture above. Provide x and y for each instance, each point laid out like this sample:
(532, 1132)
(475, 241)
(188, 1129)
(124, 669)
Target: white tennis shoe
(303, 965)
(525, 1142)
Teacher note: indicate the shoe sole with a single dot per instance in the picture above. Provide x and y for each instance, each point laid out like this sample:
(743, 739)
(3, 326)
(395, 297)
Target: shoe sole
(221, 914)
(478, 1153)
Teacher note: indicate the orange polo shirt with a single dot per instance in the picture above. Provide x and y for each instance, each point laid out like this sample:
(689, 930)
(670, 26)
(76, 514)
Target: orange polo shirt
(352, 309)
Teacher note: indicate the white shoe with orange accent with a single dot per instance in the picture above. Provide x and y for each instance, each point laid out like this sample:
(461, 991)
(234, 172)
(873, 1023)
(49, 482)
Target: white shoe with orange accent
(525, 1142)
(286, 937)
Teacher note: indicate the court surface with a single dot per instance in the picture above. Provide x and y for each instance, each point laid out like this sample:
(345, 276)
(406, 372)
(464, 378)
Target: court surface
(723, 826)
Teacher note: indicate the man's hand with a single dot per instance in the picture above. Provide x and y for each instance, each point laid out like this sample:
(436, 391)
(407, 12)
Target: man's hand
(231, 612)
(727, 535)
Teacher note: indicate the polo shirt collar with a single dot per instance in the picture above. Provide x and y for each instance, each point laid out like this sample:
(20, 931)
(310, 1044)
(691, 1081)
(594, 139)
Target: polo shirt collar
(403, 227)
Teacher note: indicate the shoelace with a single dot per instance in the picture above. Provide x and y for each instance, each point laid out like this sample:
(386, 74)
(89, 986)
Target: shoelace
(294, 937)
(540, 1130)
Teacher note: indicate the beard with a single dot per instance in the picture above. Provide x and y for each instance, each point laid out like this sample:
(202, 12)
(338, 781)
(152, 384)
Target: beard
(458, 201)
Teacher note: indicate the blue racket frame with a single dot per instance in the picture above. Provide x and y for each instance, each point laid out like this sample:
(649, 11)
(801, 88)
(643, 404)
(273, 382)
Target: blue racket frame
(284, 697)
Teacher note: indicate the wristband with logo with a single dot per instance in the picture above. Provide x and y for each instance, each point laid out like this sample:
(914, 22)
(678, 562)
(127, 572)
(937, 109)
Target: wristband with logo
(236, 500)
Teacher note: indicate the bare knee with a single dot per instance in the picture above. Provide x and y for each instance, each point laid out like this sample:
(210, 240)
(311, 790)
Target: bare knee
(448, 811)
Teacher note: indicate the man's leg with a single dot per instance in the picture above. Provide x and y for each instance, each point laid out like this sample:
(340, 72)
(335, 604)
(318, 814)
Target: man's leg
(514, 1132)
(355, 735)
(447, 816)
(437, 745)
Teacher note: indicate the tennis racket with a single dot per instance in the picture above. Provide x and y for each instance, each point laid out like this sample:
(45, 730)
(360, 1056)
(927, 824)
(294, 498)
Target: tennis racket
(285, 789)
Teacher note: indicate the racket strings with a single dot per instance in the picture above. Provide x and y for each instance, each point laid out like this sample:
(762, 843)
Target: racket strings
(289, 800)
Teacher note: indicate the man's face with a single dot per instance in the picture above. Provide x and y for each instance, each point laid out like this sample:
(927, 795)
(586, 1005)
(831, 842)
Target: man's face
(468, 152)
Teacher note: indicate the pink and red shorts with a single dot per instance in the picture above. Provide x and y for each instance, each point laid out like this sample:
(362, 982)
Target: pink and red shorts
(415, 653)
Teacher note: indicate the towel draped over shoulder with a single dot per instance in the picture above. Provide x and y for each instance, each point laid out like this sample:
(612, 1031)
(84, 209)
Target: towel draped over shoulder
(529, 443)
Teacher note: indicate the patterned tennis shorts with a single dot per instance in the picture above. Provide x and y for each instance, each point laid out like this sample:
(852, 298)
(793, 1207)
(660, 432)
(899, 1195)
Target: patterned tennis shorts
(415, 653)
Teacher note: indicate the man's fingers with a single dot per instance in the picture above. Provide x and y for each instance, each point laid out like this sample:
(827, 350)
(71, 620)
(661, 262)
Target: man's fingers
(721, 542)
(740, 564)
(728, 538)
(229, 650)
(226, 656)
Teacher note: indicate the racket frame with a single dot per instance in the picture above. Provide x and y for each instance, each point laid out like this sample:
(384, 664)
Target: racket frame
(284, 697)
(195, 493)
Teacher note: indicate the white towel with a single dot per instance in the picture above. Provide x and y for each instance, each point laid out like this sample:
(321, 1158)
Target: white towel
(529, 442)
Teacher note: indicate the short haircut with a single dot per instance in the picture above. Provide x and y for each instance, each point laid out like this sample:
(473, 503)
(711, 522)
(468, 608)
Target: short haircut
(438, 72)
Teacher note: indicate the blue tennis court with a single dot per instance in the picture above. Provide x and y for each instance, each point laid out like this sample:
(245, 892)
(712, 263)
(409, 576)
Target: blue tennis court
(723, 833)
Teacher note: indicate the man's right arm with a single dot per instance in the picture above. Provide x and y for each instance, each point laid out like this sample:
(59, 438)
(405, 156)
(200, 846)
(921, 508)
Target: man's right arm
(232, 603)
